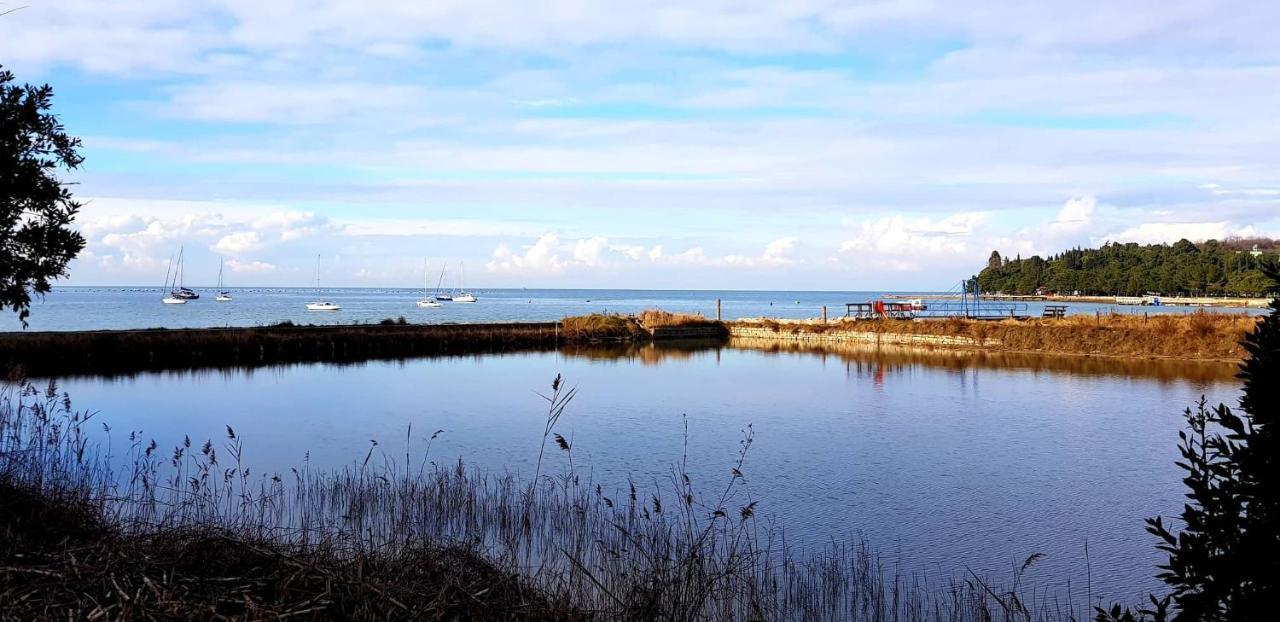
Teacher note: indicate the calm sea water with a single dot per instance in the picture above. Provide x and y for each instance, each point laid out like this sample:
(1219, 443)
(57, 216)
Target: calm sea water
(939, 462)
(95, 308)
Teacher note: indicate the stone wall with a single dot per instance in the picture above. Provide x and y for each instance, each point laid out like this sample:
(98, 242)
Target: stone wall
(786, 333)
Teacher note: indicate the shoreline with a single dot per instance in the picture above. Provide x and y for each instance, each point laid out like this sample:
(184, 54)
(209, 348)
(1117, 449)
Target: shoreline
(1208, 337)
(1203, 337)
(1207, 302)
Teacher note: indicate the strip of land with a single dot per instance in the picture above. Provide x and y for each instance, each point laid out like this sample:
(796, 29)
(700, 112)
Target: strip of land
(1195, 336)
(1170, 301)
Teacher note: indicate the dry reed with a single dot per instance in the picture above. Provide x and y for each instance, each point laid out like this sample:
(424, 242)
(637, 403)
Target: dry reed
(1200, 335)
(192, 532)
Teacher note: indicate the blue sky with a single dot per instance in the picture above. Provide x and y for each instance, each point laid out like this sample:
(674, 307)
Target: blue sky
(759, 145)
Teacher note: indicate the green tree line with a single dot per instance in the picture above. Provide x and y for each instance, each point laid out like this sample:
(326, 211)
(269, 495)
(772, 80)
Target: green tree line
(1229, 268)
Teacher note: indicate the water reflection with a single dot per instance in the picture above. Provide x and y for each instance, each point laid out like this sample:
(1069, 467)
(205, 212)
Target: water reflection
(860, 360)
(870, 360)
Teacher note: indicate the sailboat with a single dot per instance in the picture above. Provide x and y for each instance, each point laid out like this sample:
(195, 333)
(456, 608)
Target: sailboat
(442, 295)
(321, 305)
(427, 301)
(223, 295)
(170, 299)
(463, 295)
(181, 292)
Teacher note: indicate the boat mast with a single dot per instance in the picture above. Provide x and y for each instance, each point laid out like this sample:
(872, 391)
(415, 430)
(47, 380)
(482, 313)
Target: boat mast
(220, 262)
(167, 270)
(179, 280)
(440, 281)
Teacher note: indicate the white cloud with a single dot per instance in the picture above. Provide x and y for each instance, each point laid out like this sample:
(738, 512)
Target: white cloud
(590, 252)
(250, 267)
(1165, 232)
(239, 242)
(542, 256)
(1076, 213)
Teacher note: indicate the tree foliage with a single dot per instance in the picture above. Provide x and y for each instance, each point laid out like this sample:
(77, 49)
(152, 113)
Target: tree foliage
(1224, 564)
(1214, 268)
(36, 207)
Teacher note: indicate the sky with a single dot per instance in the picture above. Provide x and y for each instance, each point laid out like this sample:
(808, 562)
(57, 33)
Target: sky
(683, 144)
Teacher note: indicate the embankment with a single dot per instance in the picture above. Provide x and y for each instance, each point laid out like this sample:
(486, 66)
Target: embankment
(126, 351)
(1196, 336)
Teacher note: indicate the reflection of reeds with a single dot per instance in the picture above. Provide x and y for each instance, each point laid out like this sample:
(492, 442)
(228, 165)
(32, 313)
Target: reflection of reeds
(895, 357)
(1199, 335)
(173, 534)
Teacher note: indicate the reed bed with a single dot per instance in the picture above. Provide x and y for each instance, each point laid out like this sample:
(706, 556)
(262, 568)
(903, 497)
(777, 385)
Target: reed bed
(602, 327)
(1199, 335)
(151, 532)
(657, 318)
(41, 353)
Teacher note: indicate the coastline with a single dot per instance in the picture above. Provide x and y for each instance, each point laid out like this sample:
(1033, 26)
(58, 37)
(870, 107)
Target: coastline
(1168, 301)
(1211, 337)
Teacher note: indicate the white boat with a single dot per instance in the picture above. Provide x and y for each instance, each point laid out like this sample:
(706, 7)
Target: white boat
(428, 301)
(223, 295)
(462, 295)
(170, 299)
(440, 294)
(321, 305)
(178, 290)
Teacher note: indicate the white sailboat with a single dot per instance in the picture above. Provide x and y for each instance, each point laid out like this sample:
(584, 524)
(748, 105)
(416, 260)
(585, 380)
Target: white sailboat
(319, 304)
(170, 299)
(462, 295)
(427, 301)
(180, 291)
(442, 295)
(223, 295)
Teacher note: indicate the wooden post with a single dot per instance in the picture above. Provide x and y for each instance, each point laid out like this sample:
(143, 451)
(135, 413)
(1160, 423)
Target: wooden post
(717, 309)
(824, 314)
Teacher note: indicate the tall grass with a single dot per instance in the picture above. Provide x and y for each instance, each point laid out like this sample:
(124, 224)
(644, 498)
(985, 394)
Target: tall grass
(1199, 335)
(657, 318)
(673, 551)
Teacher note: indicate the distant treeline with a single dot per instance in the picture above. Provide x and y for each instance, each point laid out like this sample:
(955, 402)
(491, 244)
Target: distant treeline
(1232, 267)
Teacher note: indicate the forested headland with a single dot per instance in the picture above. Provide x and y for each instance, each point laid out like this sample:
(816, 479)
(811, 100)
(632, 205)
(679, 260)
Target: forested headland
(1232, 267)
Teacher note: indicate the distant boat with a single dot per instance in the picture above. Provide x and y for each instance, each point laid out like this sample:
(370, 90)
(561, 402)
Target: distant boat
(442, 295)
(170, 299)
(427, 301)
(462, 295)
(321, 305)
(179, 291)
(223, 295)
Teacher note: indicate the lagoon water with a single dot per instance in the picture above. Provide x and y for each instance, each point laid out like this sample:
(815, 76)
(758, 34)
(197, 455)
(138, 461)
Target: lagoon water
(938, 461)
(97, 308)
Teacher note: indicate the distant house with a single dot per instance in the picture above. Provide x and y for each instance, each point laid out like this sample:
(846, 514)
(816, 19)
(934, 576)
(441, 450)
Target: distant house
(1255, 252)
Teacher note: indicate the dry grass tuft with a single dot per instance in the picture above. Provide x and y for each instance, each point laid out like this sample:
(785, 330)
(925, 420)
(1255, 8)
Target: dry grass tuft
(601, 326)
(657, 318)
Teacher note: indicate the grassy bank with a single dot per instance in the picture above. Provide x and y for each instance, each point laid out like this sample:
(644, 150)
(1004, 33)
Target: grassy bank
(1192, 336)
(189, 531)
(42, 353)
(871, 359)
(123, 351)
